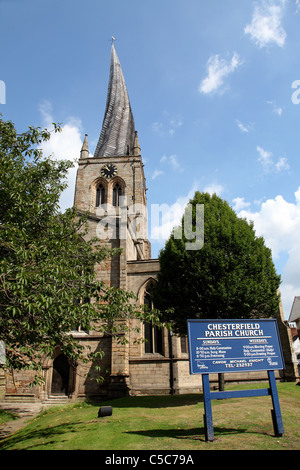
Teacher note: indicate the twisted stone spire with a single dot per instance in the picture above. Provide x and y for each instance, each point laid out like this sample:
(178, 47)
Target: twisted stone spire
(118, 130)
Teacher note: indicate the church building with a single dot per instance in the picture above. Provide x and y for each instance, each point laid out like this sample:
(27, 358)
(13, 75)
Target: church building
(111, 187)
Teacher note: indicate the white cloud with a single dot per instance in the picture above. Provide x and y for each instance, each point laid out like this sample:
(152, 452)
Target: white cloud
(243, 127)
(217, 71)
(282, 164)
(214, 188)
(172, 161)
(175, 123)
(276, 109)
(265, 27)
(240, 203)
(157, 127)
(278, 221)
(157, 173)
(266, 159)
(64, 146)
(168, 125)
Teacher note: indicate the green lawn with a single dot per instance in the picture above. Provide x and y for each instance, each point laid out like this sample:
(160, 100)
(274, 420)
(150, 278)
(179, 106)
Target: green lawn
(165, 423)
(6, 416)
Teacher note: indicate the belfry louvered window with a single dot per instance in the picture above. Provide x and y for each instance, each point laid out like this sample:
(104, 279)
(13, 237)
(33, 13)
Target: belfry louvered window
(117, 193)
(100, 195)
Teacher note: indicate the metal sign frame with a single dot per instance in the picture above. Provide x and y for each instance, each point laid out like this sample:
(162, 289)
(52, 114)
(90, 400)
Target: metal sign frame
(266, 356)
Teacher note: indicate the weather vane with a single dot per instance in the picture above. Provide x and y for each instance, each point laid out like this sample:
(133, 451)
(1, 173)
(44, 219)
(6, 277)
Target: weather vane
(112, 40)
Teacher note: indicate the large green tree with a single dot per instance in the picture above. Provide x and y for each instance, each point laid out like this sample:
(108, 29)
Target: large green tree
(231, 276)
(47, 280)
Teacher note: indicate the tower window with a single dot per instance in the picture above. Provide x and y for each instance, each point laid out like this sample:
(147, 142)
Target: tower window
(100, 195)
(117, 193)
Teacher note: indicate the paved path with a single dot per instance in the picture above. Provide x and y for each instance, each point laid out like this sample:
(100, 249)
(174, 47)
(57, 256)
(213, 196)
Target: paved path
(24, 411)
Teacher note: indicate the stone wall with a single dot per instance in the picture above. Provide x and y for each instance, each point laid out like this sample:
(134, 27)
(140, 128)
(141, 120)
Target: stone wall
(290, 373)
(19, 384)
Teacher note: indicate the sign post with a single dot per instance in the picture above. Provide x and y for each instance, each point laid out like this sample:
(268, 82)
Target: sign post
(217, 346)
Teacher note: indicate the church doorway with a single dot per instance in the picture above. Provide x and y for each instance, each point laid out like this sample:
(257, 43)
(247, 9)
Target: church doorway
(60, 376)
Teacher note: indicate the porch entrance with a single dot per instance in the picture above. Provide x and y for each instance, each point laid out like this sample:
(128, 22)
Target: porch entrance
(60, 376)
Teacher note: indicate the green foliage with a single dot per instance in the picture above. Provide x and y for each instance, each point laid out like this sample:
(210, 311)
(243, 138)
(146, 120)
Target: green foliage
(232, 276)
(47, 280)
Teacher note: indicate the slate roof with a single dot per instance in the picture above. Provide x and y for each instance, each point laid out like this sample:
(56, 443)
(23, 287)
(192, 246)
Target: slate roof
(295, 311)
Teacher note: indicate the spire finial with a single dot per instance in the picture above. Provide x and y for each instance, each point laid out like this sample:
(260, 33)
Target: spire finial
(136, 145)
(112, 40)
(84, 153)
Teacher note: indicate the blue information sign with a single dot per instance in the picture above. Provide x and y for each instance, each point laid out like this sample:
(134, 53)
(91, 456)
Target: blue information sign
(220, 346)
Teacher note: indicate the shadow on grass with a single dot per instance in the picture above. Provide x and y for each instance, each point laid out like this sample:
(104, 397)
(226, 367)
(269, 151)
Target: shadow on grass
(44, 435)
(190, 434)
(158, 401)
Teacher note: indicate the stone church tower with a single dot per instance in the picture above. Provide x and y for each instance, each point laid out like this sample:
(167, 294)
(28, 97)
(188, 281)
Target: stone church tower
(111, 186)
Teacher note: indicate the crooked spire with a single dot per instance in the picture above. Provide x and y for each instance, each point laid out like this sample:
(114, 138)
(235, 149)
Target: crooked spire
(118, 130)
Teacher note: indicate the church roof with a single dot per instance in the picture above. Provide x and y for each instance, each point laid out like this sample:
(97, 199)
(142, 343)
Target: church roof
(295, 311)
(118, 129)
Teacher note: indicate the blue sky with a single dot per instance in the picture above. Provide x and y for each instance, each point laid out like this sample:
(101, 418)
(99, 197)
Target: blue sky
(211, 89)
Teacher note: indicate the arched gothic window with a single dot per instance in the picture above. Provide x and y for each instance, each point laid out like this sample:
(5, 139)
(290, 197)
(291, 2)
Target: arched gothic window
(117, 193)
(153, 334)
(100, 195)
